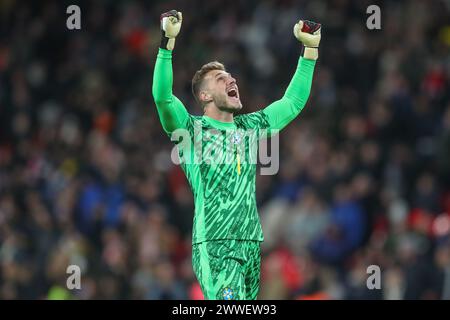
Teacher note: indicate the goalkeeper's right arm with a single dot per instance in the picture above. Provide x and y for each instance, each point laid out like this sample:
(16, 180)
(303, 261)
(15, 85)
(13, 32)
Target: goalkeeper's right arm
(171, 111)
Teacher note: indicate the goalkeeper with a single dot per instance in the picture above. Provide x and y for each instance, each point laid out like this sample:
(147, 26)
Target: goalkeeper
(226, 232)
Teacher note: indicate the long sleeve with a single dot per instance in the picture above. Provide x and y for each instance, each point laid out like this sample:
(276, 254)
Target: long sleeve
(281, 112)
(172, 113)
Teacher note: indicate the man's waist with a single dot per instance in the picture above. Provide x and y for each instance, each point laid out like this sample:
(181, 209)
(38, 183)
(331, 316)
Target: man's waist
(259, 238)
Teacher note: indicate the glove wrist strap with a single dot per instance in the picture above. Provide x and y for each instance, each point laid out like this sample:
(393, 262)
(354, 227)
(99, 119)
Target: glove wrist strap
(311, 53)
(166, 43)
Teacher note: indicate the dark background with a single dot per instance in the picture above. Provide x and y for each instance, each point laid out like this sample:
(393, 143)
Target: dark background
(85, 170)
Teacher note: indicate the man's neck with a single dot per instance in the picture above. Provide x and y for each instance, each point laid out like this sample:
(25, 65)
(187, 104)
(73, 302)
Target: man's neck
(219, 115)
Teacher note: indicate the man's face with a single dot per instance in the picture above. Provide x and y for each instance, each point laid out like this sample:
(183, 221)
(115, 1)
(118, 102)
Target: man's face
(223, 90)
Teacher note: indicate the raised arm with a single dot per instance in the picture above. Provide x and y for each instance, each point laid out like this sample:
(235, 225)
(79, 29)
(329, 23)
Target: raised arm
(172, 113)
(281, 112)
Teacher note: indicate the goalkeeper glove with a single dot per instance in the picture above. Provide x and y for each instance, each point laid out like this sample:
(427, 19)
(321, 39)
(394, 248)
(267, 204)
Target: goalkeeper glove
(308, 33)
(170, 27)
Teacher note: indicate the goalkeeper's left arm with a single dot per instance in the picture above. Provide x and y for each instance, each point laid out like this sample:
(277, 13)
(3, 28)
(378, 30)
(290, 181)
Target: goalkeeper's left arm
(283, 111)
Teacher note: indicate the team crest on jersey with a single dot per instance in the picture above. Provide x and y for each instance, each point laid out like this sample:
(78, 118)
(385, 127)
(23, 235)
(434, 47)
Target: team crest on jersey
(236, 138)
(228, 294)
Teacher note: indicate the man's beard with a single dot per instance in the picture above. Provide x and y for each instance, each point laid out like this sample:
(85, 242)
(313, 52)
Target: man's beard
(222, 104)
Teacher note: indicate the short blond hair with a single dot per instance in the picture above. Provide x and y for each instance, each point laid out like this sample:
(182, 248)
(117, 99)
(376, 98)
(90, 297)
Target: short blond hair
(199, 76)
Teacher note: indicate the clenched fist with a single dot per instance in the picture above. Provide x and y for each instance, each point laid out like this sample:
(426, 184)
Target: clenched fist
(170, 28)
(309, 33)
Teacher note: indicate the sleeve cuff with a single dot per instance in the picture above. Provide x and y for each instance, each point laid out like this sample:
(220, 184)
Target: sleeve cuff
(164, 53)
(306, 63)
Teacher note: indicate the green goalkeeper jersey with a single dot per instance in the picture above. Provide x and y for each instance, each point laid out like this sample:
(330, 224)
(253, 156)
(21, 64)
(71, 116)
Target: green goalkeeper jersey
(219, 158)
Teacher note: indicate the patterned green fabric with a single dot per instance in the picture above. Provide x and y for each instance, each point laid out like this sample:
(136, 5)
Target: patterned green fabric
(224, 190)
(227, 269)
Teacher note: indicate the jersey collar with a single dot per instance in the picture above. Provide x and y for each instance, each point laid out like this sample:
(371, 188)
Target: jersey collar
(219, 124)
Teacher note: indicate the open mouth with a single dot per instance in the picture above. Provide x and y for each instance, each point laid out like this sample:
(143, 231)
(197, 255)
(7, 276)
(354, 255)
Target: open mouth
(233, 93)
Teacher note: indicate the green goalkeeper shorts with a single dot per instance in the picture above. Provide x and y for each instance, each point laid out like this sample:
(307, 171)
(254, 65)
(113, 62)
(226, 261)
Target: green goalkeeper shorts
(227, 269)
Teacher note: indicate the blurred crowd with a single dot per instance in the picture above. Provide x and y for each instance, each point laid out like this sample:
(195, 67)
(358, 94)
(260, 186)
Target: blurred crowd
(86, 177)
